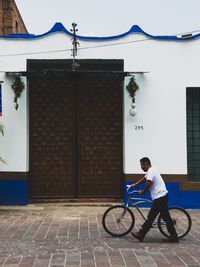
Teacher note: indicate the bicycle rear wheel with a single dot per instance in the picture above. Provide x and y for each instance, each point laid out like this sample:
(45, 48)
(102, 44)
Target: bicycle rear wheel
(118, 221)
(181, 219)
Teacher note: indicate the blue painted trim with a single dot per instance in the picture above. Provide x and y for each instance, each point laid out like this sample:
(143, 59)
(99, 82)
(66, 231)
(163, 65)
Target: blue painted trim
(177, 197)
(13, 192)
(58, 27)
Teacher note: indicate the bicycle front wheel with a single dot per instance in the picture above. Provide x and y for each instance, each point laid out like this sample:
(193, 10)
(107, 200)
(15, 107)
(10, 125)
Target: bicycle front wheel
(181, 219)
(118, 221)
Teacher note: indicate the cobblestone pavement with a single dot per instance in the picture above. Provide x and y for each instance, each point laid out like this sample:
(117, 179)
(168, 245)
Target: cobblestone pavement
(47, 235)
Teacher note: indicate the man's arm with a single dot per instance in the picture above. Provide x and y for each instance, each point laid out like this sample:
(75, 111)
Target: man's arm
(148, 185)
(138, 182)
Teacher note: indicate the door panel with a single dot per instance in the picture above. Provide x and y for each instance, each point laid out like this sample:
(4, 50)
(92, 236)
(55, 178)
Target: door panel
(51, 137)
(100, 135)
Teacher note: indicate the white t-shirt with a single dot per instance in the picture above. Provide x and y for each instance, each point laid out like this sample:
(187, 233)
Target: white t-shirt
(158, 188)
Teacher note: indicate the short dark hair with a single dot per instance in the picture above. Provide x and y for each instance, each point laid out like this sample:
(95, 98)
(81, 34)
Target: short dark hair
(145, 160)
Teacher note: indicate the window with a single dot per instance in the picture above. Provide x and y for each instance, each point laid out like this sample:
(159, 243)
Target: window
(193, 133)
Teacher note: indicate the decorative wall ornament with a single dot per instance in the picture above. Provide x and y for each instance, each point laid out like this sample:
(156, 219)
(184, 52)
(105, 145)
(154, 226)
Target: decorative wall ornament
(132, 88)
(18, 87)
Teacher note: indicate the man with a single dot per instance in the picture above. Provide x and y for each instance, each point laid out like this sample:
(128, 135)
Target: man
(159, 195)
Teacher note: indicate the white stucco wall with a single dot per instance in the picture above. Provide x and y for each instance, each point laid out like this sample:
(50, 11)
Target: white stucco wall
(13, 145)
(161, 99)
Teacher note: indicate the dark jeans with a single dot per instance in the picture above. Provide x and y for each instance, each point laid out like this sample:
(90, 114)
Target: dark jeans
(159, 206)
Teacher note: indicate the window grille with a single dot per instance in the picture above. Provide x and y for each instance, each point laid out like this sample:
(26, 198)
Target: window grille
(193, 133)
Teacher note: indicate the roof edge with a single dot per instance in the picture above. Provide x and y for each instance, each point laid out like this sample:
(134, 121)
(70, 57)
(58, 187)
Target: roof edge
(135, 29)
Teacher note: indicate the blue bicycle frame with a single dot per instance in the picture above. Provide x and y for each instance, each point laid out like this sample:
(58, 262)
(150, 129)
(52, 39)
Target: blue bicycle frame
(131, 201)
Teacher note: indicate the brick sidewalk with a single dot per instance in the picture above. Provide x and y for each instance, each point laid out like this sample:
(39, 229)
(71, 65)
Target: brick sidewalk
(73, 236)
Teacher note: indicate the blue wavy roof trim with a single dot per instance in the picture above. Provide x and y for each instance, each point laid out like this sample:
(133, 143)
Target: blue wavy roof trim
(58, 27)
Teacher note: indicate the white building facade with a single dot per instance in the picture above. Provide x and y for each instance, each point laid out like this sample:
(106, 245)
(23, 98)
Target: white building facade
(166, 127)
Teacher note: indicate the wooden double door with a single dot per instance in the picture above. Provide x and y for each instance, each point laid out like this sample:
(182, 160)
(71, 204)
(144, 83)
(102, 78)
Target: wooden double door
(75, 135)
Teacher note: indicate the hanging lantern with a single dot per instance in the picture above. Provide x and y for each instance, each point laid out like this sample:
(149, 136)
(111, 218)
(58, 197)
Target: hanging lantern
(132, 87)
(132, 112)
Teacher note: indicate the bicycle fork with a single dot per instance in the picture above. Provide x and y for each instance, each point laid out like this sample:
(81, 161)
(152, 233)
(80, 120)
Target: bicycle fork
(122, 215)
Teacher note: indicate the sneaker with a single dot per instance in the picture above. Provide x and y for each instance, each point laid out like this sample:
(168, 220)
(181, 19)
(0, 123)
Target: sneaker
(138, 235)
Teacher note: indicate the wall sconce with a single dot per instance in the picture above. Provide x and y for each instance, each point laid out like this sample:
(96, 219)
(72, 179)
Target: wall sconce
(132, 87)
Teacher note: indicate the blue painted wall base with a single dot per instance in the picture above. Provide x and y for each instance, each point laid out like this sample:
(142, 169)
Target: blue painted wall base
(177, 197)
(13, 192)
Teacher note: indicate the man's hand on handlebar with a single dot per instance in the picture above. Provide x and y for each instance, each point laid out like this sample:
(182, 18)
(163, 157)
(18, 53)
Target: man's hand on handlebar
(140, 192)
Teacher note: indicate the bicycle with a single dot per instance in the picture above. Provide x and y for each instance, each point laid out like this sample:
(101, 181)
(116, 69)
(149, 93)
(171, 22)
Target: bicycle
(119, 220)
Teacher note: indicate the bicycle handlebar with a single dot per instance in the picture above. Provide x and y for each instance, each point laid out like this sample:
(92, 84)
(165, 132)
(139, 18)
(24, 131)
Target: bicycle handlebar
(130, 192)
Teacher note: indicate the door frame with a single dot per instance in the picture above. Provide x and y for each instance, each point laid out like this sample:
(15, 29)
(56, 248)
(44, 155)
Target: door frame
(60, 67)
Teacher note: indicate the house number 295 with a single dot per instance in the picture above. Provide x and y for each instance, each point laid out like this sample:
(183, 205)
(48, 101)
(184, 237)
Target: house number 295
(139, 127)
